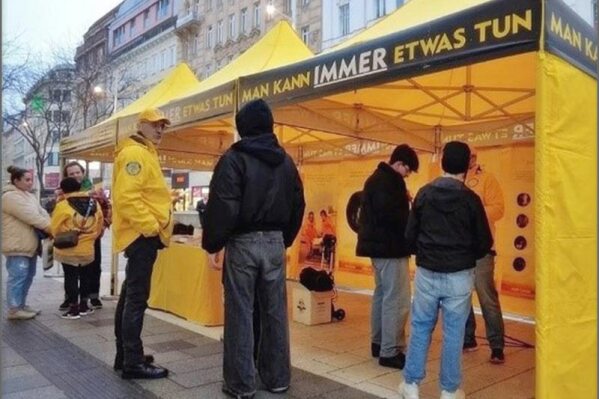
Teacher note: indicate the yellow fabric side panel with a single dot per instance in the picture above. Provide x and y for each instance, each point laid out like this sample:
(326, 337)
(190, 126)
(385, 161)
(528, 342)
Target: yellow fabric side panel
(183, 284)
(566, 227)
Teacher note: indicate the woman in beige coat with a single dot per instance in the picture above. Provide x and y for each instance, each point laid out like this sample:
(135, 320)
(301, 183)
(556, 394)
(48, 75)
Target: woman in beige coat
(21, 215)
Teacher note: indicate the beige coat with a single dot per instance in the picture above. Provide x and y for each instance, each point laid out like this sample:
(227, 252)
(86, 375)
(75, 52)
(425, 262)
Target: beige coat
(21, 212)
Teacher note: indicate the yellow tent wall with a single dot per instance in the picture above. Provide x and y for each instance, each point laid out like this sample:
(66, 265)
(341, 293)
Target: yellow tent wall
(566, 230)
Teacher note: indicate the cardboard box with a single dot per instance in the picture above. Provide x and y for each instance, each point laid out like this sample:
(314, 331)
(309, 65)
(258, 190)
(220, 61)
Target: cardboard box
(311, 307)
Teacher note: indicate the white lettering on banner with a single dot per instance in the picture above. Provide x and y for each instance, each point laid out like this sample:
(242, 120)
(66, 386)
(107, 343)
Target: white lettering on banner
(357, 149)
(366, 63)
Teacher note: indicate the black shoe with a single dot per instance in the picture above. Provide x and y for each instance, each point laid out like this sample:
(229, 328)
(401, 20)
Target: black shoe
(396, 362)
(118, 361)
(84, 310)
(144, 371)
(471, 346)
(497, 356)
(95, 303)
(232, 394)
(64, 306)
(375, 349)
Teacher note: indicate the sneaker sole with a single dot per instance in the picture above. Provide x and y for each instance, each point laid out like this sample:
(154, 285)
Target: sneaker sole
(470, 349)
(70, 317)
(497, 361)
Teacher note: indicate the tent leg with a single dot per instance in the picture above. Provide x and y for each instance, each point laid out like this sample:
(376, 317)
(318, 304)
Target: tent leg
(114, 278)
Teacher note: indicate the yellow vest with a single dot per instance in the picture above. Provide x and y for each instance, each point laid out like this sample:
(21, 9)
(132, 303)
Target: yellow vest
(141, 200)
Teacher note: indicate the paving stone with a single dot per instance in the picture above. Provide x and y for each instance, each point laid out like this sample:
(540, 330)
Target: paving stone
(10, 385)
(49, 392)
(169, 346)
(206, 362)
(198, 377)
(102, 322)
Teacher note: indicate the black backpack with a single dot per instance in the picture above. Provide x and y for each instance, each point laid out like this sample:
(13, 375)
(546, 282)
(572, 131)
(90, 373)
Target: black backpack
(316, 280)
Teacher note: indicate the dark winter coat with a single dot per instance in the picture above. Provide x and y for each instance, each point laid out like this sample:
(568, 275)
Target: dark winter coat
(383, 215)
(448, 228)
(255, 187)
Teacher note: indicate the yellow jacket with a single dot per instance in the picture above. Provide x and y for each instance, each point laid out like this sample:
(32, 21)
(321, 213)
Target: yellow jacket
(69, 215)
(488, 189)
(141, 200)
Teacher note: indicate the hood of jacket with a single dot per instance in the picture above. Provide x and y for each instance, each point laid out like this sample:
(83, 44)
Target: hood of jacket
(265, 147)
(447, 194)
(81, 202)
(9, 187)
(254, 119)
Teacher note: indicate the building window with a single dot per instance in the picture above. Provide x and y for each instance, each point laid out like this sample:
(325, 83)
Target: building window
(52, 159)
(380, 8)
(56, 116)
(119, 34)
(66, 96)
(146, 18)
(305, 3)
(256, 15)
(208, 5)
(132, 27)
(232, 26)
(344, 19)
(399, 3)
(163, 8)
(56, 96)
(219, 31)
(173, 55)
(66, 116)
(219, 4)
(305, 33)
(210, 37)
(162, 60)
(242, 20)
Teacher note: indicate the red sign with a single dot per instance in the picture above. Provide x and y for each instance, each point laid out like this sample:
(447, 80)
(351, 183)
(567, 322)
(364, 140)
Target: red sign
(51, 180)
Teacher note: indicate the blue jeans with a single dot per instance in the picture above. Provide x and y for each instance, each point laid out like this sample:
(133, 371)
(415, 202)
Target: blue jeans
(254, 269)
(21, 270)
(488, 298)
(390, 305)
(452, 293)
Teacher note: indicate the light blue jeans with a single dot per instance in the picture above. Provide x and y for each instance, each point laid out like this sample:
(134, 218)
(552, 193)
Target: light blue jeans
(390, 305)
(21, 270)
(452, 294)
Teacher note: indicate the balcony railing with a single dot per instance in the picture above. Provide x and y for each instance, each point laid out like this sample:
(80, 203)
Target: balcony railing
(192, 19)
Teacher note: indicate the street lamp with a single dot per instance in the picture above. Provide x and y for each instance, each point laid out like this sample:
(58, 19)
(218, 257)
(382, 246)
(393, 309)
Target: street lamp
(271, 10)
(98, 90)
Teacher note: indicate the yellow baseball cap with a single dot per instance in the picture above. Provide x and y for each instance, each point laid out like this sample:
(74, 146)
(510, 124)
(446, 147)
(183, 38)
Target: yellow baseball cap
(153, 115)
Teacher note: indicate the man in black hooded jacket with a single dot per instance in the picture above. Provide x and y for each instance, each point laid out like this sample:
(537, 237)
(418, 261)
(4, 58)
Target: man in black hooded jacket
(255, 211)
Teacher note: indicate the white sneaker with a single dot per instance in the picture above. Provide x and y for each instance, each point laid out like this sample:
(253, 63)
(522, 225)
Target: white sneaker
(20, 314)
(458, 394)
(408, 391)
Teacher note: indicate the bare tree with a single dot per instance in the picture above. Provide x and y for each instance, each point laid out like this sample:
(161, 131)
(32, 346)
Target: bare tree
(47, 115)
(18, 73)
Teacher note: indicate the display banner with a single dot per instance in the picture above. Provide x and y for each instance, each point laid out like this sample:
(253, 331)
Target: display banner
(491, 30)
(204, 105)
(515, 133)
(570, 37)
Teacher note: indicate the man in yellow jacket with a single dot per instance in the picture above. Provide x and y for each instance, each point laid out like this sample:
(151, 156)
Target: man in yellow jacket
(142, 225)
(488, 189)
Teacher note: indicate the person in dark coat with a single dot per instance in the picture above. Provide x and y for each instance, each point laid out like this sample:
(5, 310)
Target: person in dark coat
(383, 217)
(255, 211)
(448, 231)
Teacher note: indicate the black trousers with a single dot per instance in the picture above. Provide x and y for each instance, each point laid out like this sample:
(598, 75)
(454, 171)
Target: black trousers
(133, 300)
(95, 272)
(76, 283)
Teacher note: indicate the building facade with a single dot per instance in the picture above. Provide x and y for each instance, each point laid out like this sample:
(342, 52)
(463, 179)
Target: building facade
(214, 32)
(342, 19)
(142, 47)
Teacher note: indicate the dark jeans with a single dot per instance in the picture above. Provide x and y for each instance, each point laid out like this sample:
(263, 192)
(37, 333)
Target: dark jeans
(133, 300)
(489, 303)
(255, 270)
(95, 272)
(76, 283)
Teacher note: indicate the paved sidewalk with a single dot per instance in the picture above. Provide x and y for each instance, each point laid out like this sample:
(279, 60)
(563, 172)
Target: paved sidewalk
(54, 358)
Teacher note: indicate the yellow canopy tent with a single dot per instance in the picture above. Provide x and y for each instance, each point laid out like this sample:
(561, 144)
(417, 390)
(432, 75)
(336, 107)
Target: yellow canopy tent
(97, 143)
(210, 106)
(437, 70)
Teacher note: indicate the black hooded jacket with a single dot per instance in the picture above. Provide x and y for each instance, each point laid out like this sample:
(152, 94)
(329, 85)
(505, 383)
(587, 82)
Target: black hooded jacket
(383, 215)
(448, 228)
(81, 204)
(255, 187)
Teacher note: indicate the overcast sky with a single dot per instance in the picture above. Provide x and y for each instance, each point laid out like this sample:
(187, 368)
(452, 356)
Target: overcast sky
(41, 25)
